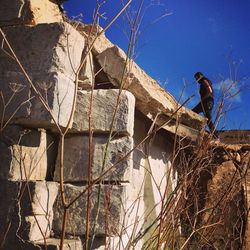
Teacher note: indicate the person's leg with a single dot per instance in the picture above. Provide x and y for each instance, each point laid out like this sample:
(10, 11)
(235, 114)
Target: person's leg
(208, 106)
(198, 108)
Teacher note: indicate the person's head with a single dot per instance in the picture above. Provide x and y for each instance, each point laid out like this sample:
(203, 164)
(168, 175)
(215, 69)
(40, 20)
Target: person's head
(198, 76)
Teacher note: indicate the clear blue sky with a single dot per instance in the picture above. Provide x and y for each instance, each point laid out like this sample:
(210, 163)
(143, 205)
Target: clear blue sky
(179, 37)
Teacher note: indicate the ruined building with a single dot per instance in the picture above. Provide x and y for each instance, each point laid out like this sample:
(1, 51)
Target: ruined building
(94, 152)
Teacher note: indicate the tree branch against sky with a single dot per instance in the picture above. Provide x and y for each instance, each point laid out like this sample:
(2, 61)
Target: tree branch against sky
(197, 36)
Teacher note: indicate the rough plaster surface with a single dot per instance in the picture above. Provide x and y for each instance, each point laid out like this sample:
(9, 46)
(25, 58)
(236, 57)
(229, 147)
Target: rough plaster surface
(76, 159)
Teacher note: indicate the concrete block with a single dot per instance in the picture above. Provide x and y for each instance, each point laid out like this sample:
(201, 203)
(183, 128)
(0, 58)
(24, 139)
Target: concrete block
(107, 214)
(23, 154)
(51, 64)
(31, 12)
(103, 108)
(77, 153)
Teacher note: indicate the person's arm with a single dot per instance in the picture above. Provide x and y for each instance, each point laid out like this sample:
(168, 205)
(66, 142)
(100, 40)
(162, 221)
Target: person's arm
(209, 91)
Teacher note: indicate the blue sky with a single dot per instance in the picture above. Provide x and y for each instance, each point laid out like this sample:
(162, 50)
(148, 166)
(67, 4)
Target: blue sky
(178, 38)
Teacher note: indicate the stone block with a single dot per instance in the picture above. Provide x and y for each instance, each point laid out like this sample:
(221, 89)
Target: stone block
(59, 98)
(150, 97)
(36, 227)
(23, 154)
(43, 196)
(77, 153)
(103, 108)
(86, 76)
(54, 244)
(22, 209)
(61, 51)
(29, 228)
(38, 199)
(50, 63)
(90, 32)
(31, 12)
(106, 208)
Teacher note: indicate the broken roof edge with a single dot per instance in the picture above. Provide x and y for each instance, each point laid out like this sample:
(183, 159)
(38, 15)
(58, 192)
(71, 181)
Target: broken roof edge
(151, 98)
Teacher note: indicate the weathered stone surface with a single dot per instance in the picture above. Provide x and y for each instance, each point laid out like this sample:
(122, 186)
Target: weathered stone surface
(39, 202)
(22, 230)
(150, 97)
(86, 76)
(44, 195)
(23, 154)
(31, 12)
(19, 206)
(77, 153)
(61, 51)
(35, 227)
(103, 108)
(54, 244)
(51, 64)
(90, 32)
(108, 214)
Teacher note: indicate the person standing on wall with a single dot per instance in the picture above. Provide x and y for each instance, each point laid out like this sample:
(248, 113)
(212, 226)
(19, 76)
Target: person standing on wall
(207, 99)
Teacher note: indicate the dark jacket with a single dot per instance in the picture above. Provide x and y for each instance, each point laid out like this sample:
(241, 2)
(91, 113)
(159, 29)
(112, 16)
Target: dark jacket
(205, 87)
